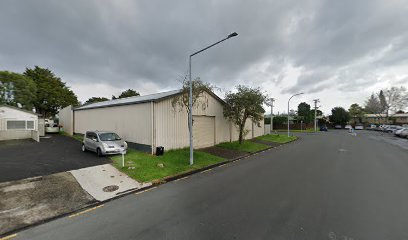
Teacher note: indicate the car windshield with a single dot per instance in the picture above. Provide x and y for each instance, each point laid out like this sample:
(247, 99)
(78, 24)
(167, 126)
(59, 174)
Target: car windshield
(109, 137)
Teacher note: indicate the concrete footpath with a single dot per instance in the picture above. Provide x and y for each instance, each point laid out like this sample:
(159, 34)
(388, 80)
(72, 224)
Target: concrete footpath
(104, 182)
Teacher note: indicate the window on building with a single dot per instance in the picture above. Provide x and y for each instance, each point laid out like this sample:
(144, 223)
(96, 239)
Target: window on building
(30, 125)
(16, 125)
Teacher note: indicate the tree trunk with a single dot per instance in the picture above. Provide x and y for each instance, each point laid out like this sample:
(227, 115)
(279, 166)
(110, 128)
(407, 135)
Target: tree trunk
(241, 133)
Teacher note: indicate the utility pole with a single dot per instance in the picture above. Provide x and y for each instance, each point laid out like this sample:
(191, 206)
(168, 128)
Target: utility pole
(315, 120)
(269, 103)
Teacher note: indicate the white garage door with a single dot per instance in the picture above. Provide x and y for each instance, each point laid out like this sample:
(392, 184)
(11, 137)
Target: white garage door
(203, 131)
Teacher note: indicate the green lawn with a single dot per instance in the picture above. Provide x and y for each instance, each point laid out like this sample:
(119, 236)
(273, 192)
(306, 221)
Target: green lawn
(146, 167)
(246, 146)
(279, 138)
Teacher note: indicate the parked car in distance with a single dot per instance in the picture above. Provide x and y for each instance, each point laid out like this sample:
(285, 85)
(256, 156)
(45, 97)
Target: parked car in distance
(323, 128)
(372, 127)
(103, 143)
(404, 133)
(392, 129)
(348, 126)
(52, 128)
(399, 131)
(359, 127)
(382, 127)
(337, 127)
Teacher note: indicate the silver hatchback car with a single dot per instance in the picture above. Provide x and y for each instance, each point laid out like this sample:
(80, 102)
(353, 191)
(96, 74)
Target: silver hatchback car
(103, 143)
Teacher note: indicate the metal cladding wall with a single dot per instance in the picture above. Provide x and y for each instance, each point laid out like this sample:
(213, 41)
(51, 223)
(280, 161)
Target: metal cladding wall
(252, 129)
(171, 124)
(66, 119)
(132, 122)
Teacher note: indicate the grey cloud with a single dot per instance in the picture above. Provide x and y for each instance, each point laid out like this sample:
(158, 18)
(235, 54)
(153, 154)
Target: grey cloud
(125, 43)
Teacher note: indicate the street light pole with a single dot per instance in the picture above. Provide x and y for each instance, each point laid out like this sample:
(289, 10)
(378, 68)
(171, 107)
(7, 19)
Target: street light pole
(288, 110)
(190, 99)
(269, 102)
(315, 122)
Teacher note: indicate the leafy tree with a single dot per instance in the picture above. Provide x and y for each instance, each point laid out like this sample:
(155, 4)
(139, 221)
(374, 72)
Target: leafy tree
(95, 100)
(339, 116)
(127, 93)
(245, 103)
(372, 105)
(383, 102)
(276, 120)
(356, 111)
(52, 94)
(21, 89)
(399, 112)
(304, 112)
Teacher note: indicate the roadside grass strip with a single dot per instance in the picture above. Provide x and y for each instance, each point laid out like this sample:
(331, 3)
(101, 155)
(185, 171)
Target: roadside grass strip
(145, 167)
(246, 146)
(278, 138)
(85, 211)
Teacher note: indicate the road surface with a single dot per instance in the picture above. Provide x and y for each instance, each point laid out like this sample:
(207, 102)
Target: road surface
(325, 186)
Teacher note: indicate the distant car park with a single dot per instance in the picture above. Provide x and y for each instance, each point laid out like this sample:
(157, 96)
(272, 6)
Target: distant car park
(337, 127)
(348, 126)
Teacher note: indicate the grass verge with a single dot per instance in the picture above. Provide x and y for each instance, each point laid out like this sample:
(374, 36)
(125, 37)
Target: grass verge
(246, 146)
(277, 138)
(144, 167)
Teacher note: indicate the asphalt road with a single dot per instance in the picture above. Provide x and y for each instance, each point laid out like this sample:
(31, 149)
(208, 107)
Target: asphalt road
(327, 186)
(21, 159)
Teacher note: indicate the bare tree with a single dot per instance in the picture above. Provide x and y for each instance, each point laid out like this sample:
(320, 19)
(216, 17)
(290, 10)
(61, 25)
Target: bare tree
(200, 99)
(396, 98)
(372, 105)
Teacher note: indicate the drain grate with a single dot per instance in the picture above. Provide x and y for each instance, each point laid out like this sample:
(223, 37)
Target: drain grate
(110, 188)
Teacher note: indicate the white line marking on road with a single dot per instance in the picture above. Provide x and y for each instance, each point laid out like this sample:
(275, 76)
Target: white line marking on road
(208, 170)
(180, 179)
(145, 190)
(86, 211)
(8, 237)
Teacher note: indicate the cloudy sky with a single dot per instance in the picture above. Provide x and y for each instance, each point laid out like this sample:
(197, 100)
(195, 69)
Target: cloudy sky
(337, 51)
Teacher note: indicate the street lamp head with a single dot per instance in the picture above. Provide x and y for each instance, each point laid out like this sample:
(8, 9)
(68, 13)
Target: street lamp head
(234, 34)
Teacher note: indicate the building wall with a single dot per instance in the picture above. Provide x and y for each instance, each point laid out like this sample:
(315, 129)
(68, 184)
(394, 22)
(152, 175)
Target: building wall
(66, 119)
(171, 124)
(7, 113)
(14, 134)
(132, 122)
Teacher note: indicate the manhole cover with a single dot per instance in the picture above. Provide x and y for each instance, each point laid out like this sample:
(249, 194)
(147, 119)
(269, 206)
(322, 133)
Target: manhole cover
(110, 188)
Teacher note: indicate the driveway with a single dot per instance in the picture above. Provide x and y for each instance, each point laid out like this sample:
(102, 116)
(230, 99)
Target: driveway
(55, 153)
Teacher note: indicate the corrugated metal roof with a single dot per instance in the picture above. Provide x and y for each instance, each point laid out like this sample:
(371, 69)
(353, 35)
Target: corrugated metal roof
(130, 100)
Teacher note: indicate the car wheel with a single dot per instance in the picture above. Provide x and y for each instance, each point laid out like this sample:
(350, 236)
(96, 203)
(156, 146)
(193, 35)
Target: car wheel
(99, 152)
(83, 148)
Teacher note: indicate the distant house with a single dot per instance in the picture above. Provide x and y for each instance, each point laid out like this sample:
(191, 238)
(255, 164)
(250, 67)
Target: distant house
(16, 123)
(149, 121)
(398, 118)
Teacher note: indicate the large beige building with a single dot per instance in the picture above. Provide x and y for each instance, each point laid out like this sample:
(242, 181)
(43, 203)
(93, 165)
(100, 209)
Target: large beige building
(149, 121)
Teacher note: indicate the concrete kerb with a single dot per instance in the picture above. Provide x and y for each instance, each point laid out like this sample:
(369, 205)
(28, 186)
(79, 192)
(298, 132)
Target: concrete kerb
(96, 203)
